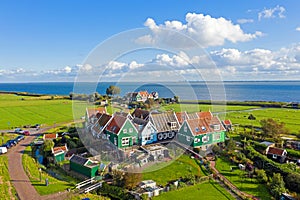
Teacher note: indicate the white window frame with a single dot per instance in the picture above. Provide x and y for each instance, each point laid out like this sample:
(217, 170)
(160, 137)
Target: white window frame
(205, 139)
(274, 156)
(185, 128)
(217, 136)
(130, 130)
(173, 125)
(125, 141)
(125, 130)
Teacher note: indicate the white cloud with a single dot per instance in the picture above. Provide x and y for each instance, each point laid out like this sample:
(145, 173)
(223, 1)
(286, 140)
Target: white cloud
(206, 30)
(244, 21)
(68, 69)
(277, 11)
(298, 28)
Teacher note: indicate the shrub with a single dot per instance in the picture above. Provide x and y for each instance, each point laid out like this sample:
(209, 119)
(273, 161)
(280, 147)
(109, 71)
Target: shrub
(261, 175)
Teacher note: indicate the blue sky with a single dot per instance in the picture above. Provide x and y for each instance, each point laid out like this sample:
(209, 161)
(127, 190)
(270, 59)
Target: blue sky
(247, 40)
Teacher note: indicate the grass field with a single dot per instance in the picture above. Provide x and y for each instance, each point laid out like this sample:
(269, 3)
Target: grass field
(19, 111)
(31, 167)
(172, 170)
(7, 190)
(239, 179)
(207, 191)
(6, 137)
(204, 107)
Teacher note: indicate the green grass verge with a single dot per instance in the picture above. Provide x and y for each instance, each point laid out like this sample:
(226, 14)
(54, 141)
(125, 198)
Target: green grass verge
(31, 167)
(7, 191)
(162, 173)
(88, 195)
(206, 190)
(6, 137)
(241, 181)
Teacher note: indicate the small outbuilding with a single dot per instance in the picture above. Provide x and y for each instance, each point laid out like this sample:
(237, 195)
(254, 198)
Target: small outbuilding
(84, 166)
(276, 154)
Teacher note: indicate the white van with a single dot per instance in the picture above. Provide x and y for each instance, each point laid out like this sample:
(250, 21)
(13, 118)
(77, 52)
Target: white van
(3, 150)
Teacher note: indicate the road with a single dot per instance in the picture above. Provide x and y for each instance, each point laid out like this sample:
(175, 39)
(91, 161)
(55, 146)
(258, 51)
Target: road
(18, 175)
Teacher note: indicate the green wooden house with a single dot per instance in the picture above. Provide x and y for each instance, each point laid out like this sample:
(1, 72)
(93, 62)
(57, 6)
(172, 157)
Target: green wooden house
(59, 153)
(201, 132)
(84, 166)
(121, 131)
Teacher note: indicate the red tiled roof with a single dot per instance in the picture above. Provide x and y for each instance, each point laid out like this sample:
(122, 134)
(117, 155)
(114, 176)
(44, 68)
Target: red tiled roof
(144, 93)
(181, 116)
(275, 151)
(93, 111)
(50, 136)
(116, 123)
(205, 114)
(205, 125)
(227, 122)
(56, 150)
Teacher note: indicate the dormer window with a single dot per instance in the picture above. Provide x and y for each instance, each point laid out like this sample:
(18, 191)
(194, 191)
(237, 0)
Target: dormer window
(203, 128)
(216, 127)
(173, 125)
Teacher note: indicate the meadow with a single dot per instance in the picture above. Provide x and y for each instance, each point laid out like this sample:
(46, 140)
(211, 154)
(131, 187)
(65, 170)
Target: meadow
(172, 170)
(240, 180)
(207, 190)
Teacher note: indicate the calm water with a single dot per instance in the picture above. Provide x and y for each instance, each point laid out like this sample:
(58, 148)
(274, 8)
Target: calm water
(286, 91)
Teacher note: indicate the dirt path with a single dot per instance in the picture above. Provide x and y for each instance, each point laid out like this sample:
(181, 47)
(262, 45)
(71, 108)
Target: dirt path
(18, 175)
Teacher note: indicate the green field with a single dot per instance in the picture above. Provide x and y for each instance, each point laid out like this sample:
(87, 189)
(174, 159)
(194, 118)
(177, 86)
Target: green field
(6, 137)
(172, 170)
(20, 111)
(241, 181)
(207, 191)
(31, 167)
(7, 191)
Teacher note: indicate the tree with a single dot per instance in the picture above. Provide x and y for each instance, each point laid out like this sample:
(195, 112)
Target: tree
(118, 178)
(277, 185)
(176, 99)
(231, 145)
(292, 182)
(271, 128)
(131, 180)
(113, 90)
(261, 175)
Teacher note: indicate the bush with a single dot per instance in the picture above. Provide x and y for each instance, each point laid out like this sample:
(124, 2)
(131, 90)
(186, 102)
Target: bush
(261, 176)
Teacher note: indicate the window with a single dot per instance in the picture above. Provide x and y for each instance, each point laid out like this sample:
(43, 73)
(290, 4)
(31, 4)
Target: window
(216, 127)
(115, 141)
(203, 128)
(205, 139)
(217, 136)
(130, 130)
(274, 156)
(188, 138)
(196, 140)
(173, 125)
(125, 141)
(124, 130)
(147, 137)
(185, 128)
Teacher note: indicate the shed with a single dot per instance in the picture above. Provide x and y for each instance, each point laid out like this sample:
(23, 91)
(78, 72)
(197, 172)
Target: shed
(83, 166)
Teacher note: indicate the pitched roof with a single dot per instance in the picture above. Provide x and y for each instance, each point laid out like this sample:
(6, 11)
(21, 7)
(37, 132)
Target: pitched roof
(143, 93)
(182, 116)
(227, 122)
(78, 159)
(162, 121)
(50, 136)
(103, 119)
(205, 125)
(205, 114)
(60, 149)
(93, 111)
(116, 123)
(275, 151)
(143, 114)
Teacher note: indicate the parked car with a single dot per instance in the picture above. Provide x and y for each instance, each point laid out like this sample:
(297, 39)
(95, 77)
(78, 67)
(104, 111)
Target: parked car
(19, 138)
(7, 145)
(3, 150)
(18, 130)
(26, 132)
(12, 142)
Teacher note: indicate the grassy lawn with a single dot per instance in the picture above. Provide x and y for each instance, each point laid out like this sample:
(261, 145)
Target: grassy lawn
(172, 170)
(239, 179)
(204, 107)
(207, 190)
(289, 116)
(19, 111)
(31, 167)
(88, 195)
(7, 191)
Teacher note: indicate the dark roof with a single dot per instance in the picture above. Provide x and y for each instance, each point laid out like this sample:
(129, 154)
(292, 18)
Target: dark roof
(139, 121)
(143, 114)
(275, 151)
(78, 159)
(162, 121)
(116, 123)
(103, 119)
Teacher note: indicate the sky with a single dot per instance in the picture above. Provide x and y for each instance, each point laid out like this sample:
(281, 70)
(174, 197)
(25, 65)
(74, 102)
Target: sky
(53, 40)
